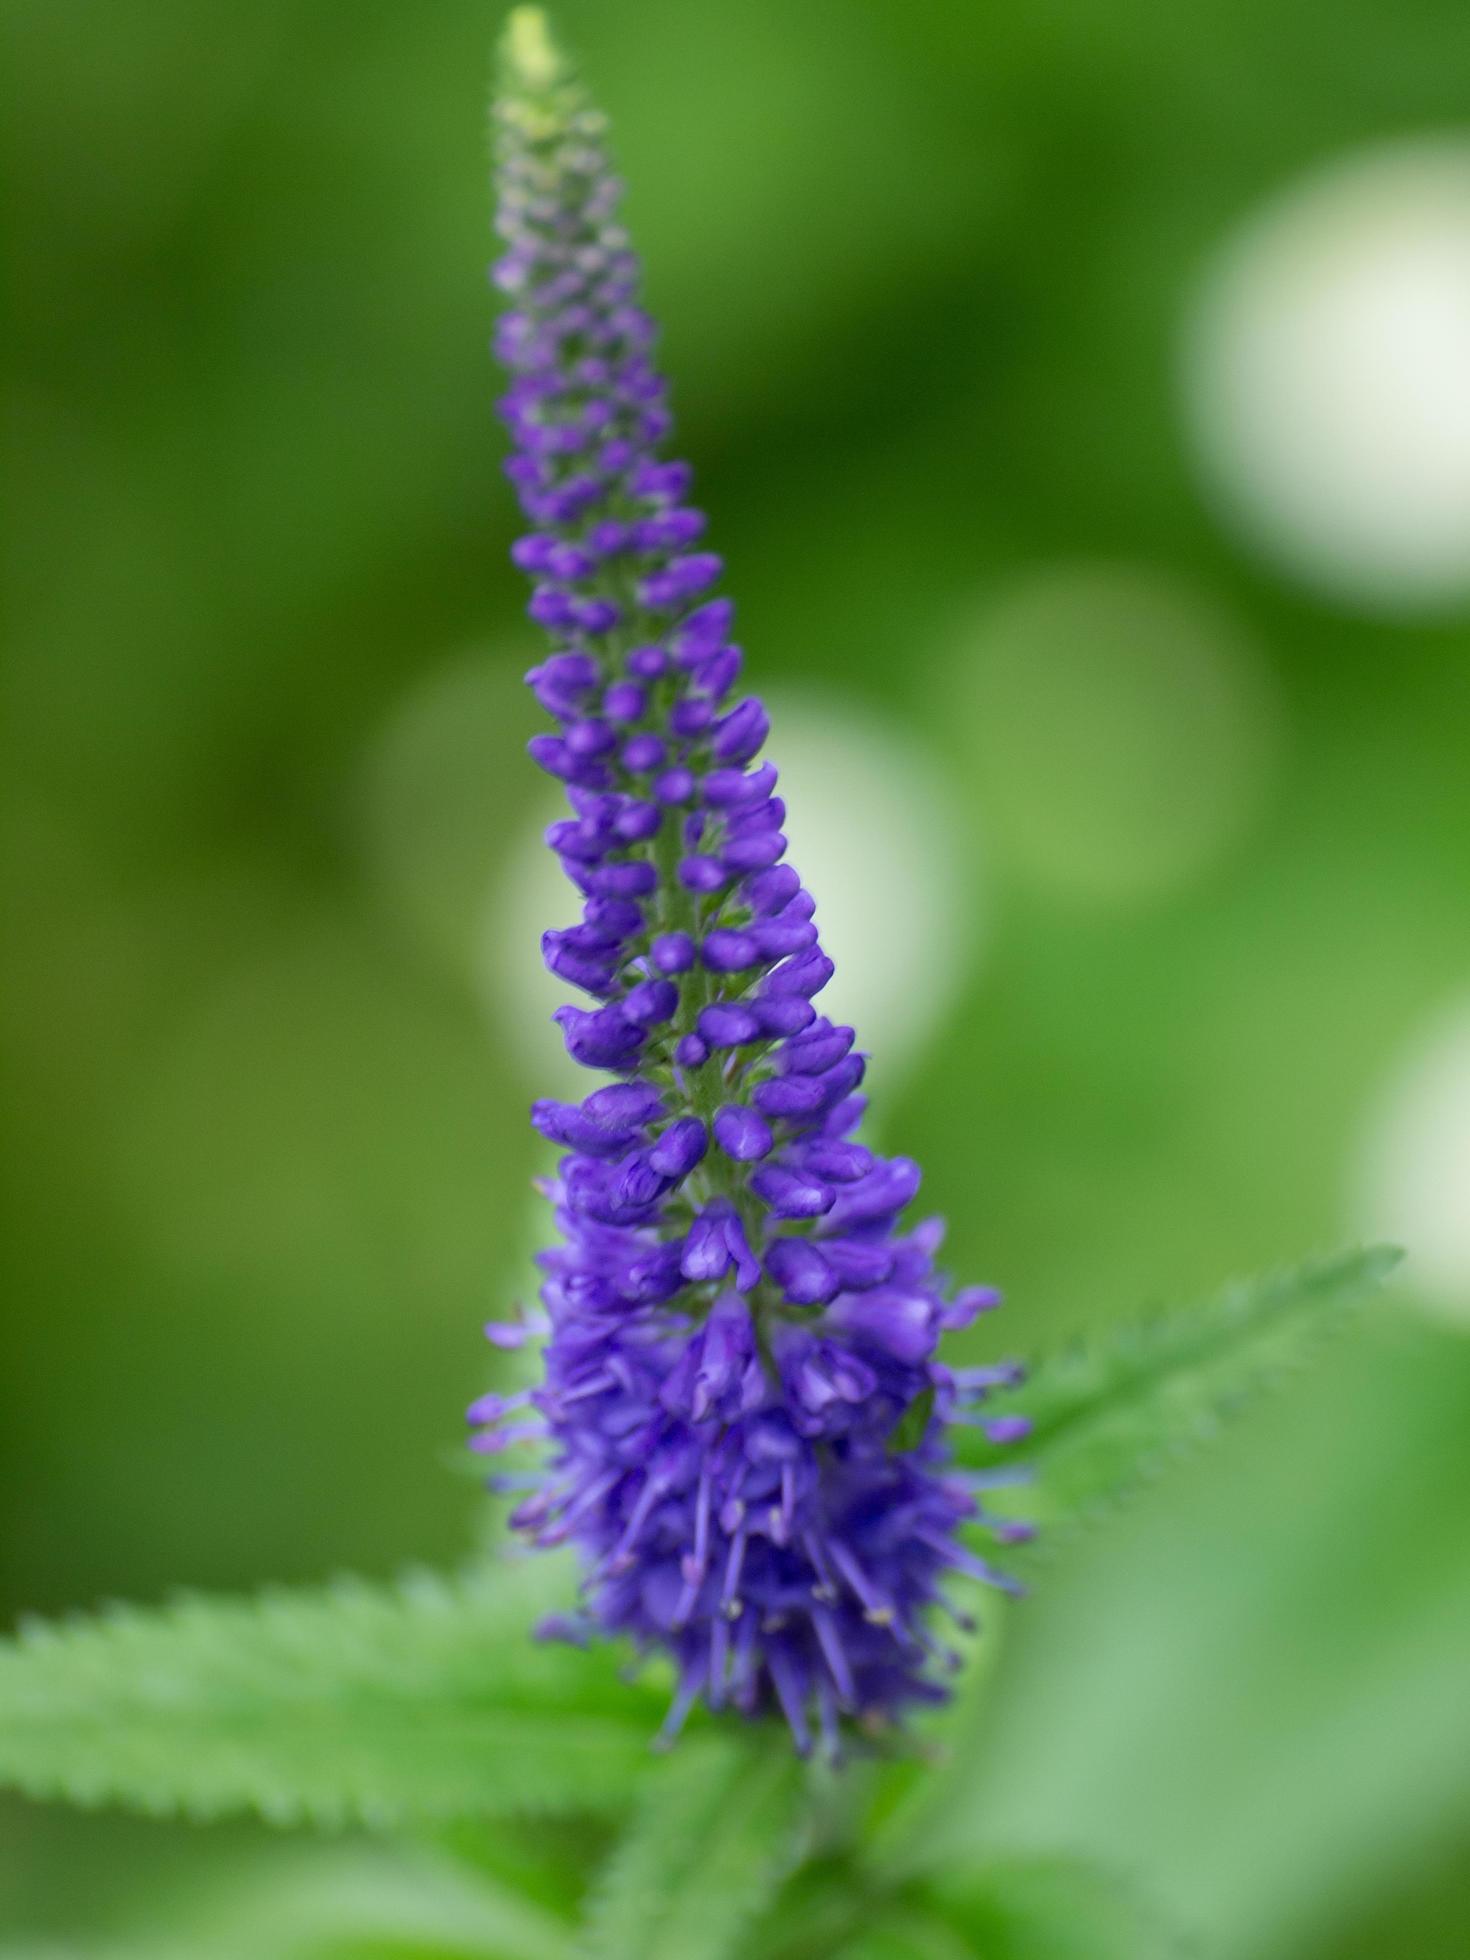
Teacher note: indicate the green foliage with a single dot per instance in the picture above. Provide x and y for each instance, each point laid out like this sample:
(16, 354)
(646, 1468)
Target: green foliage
(375, 1902)
(1053, 1909)
(376, 1705)
(1109, 1412)
(1011, 1909)
(427, 1700)
(713, 1836)
(351, 1902)
(841, 1908)
(1116, 1407)
(906, 1930)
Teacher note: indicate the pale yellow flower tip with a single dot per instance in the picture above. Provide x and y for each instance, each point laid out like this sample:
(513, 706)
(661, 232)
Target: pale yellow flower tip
(530, 53)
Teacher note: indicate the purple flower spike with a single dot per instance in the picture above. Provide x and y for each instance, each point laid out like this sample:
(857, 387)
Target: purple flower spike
(743, 1415)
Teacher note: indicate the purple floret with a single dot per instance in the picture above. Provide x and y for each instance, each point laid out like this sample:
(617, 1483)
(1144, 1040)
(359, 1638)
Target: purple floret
(743, 1416)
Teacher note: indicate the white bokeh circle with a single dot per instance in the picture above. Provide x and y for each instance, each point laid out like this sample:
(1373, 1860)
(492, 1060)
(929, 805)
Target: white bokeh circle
(1411, 1182)
(1327, 378)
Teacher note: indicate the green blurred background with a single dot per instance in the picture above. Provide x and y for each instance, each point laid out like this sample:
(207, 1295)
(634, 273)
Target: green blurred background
(1010, 409)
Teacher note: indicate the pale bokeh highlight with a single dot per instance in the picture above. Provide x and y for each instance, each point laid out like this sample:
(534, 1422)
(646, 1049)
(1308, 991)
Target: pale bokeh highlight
(1327, 378)
(1411, 1184)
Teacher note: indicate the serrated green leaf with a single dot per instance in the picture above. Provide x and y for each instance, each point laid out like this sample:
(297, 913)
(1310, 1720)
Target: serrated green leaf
(714, 1834)
(351, 1704)
(1112, 1409)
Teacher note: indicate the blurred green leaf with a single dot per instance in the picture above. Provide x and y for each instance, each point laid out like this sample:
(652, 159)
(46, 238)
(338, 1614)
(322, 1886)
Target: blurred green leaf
(1015, 1909)
(342, 1904)
(1113, 1409)
(378, 1902)
(1054, 1909)
(713, 1837)
(908, 1931)
(352, 1704)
